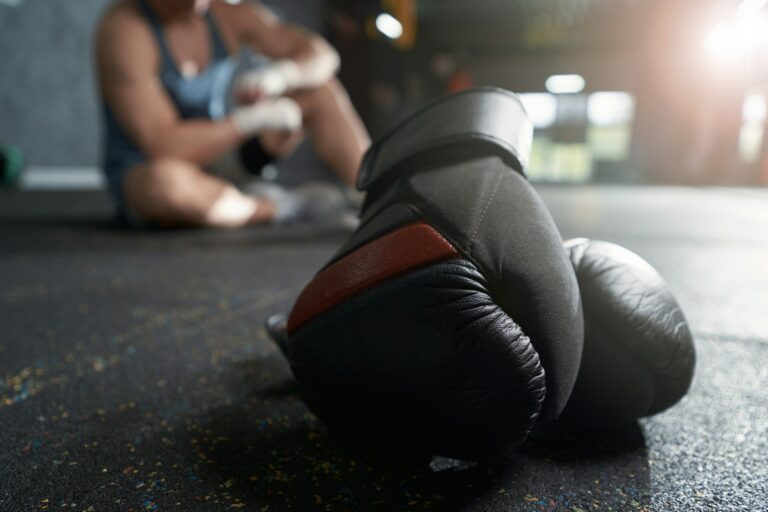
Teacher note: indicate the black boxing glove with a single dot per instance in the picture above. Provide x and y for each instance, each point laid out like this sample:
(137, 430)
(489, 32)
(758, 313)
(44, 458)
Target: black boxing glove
(450, 320)
(638, 351)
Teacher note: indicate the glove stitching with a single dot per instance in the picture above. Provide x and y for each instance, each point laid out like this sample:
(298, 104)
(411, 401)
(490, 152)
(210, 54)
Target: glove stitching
(473, 237)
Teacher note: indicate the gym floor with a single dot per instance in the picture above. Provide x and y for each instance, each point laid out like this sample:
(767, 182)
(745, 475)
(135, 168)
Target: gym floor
(135, 374)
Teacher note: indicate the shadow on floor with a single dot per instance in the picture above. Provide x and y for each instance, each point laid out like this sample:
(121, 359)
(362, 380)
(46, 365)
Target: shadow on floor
(288, 462)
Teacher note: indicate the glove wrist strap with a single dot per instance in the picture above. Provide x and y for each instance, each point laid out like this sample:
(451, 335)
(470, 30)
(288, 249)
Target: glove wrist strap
(477, 122)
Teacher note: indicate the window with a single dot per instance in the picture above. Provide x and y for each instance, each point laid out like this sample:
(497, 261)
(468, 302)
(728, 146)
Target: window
(753, 116)
(580, 137)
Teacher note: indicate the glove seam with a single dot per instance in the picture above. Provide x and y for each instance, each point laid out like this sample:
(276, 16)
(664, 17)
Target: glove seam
(487, 205)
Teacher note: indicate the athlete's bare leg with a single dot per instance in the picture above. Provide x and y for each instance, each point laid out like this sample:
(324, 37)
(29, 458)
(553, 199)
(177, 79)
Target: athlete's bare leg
(175, 193)
(338, 135)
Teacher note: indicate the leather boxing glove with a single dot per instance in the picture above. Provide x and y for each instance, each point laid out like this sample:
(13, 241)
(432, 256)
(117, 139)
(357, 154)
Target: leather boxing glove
(638, 351)
(450, 320)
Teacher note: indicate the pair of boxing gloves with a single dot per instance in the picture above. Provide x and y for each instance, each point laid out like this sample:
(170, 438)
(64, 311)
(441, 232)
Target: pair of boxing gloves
(455, 320)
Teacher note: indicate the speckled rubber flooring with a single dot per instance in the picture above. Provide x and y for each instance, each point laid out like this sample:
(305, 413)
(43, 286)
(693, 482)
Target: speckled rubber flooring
(135, 374)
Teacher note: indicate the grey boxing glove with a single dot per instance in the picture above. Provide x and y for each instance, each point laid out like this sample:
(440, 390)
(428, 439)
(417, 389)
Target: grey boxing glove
(638, 351)
(450, 321)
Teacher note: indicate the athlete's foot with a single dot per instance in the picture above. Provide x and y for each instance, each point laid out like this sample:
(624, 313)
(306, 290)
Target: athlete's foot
(313, 203)
(265, 212)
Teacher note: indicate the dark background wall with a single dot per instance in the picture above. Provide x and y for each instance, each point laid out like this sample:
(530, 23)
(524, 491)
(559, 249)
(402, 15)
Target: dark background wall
(48, 103)
(46, 84)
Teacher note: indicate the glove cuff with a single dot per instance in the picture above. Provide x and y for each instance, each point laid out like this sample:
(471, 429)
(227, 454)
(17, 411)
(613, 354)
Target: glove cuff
(477, 122)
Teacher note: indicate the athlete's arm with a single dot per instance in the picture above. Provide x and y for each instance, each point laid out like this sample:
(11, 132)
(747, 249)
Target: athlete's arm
(127, 61)
(305, 59)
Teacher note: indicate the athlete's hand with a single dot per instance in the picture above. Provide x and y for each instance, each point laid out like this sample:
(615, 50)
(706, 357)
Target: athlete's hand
(282, 114)
(270, 81)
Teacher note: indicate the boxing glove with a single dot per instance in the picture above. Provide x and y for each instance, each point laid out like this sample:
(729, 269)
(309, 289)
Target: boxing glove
(450, 320)
(638, 351)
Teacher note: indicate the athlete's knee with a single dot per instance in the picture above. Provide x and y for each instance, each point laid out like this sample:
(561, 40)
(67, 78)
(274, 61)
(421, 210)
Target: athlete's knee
(161, 188)
(329, 95)
(332, 89)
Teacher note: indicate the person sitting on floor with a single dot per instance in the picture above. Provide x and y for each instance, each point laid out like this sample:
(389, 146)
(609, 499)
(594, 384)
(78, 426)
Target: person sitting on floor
(164, 72)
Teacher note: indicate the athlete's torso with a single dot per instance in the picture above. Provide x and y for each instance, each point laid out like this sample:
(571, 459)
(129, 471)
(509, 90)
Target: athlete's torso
(195, 95)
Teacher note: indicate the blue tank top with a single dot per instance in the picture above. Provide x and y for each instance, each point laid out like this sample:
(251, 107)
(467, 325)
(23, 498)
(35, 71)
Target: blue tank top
(202, 96)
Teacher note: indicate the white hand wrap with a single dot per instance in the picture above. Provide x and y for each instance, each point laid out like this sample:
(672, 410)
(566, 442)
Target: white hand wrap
(273, 80)
(286, 75)
(272, 114)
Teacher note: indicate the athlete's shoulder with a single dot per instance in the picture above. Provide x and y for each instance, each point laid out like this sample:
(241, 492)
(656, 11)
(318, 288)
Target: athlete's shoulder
(124, 39)
(242, 14)
(122, 18)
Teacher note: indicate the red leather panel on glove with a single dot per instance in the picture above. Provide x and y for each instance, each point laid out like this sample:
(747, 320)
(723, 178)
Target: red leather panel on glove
(392, 255)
